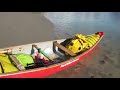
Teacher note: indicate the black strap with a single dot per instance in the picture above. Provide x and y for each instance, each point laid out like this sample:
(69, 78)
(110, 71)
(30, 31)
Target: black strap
(1, 67)
(90, 38)
(93, 38)
(80, 43)
(39, 50)
(90, 42)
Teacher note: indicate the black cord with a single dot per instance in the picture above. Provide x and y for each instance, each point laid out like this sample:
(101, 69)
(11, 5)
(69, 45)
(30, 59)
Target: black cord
(32, 51)
(1, 67)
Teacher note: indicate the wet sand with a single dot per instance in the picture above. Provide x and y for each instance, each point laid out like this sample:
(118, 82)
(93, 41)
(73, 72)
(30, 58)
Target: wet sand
(18, 28)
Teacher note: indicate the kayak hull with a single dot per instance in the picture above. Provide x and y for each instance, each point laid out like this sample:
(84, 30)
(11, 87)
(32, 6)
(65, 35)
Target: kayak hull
(43, 72)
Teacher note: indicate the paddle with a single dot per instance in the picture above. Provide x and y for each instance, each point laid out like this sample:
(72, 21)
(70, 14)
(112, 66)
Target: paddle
(16, 62)
(69, 35)
(14, 59)
(40, 51)
(10, 50)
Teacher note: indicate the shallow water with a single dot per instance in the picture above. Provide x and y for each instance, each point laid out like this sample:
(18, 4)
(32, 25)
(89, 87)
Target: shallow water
(104, 61)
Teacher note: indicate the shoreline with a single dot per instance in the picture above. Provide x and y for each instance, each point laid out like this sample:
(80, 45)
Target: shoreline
(18, 28)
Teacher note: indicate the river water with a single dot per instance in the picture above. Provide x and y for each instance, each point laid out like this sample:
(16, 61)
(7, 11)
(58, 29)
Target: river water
(104, 61)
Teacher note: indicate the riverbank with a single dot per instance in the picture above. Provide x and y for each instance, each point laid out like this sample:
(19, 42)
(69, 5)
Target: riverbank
(24, 27)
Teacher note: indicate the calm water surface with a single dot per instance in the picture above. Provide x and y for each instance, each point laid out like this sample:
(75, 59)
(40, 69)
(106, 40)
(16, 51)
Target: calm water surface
(104, 61)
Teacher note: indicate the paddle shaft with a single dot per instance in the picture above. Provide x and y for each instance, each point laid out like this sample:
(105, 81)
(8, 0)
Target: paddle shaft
(40, 51)
(17, 63)
(13, 58)
(69, 35)
(9, 50)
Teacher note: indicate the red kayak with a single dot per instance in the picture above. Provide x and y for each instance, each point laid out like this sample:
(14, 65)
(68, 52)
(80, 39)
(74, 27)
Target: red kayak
(51, 48)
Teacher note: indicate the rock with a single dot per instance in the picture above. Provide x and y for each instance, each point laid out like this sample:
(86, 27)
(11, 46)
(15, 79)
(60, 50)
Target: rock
(102, 62)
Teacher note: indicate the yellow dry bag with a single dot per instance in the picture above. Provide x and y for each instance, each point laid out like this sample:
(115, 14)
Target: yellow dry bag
(77, 44)
(6, 65)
